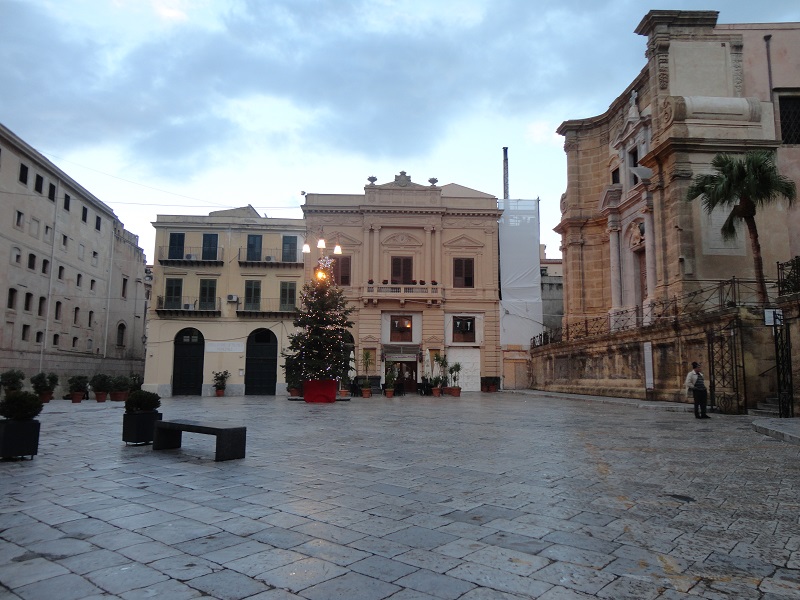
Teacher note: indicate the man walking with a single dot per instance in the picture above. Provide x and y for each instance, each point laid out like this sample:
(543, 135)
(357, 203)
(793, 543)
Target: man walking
(696, 388)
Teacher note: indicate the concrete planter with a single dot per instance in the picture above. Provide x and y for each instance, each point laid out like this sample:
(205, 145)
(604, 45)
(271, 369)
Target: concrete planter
(19, 438)
(137, 427)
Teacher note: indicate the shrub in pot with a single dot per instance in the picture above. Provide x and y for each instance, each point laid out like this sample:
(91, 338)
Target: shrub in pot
(11, 380)
(221, 381)
(44, 384)
(120, 385)
(101, 385)
(140, 416)
(78, 386)
(19, 432)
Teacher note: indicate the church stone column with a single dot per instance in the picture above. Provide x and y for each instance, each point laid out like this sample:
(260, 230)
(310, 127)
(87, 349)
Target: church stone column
(376, 253)
(650, 259)
(427, 253)
(365, 252)
(616, 274)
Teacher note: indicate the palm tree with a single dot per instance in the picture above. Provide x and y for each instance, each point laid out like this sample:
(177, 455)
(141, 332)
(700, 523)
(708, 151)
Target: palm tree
(743, 183)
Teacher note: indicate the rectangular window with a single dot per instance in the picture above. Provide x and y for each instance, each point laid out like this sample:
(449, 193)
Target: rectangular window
(85, 214)
(66, 202)
(210, 241)
(12, 298)
(633, 161)
(790, 119)
(400, 328)
(208, 294)
(31, 261)
(28, 301)
(95, 258)
(176, 246)
(252, 295)
(615, 175)
(402, 269)
(341, 270)
(463, 272)
(19, 219)
(288, 301)
(173, 292)
(463, 329)
(81, 251)
(39, 337)
(26, 332)
(35, 228)
(51, 192)
(97, 222)
(253, 248)
(38, 183)
(23, 174)
(124, 287)
(289, 249)
(48, 233)
(64, 241)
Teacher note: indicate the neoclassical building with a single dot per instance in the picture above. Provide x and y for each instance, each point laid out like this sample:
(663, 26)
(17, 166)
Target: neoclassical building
(225, 293)
(420, 264)
(73, 276)
(629, 238)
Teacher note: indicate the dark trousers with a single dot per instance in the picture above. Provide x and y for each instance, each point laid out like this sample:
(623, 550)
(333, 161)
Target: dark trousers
(700, 399)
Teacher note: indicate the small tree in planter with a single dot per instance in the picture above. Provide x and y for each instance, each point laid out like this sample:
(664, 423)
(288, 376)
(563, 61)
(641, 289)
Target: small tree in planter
(140, 416)
(390, 380)
(454, 371)
(221, 381)
(101, 385)
(11, 380)
(19, 433)
(120, 384)
(320, 346)
(294, 383)
(78, 385)
(366, 362)
(44, 384)
(436, 385)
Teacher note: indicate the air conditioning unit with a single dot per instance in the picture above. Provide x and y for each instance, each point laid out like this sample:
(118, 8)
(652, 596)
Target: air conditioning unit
(269, 258)
(187, 307)
(233, 298)
(191, 256)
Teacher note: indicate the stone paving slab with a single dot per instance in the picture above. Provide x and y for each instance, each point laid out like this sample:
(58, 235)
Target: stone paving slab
(484, 497)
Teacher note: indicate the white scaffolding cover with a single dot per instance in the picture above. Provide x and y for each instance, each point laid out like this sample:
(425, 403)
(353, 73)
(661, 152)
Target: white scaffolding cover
(520, 274)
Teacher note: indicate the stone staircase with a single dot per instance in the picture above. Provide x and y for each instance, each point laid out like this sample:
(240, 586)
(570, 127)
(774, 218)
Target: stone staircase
(767, 408)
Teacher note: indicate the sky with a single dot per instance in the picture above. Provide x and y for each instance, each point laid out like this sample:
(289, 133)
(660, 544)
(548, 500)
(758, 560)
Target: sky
(184, 107)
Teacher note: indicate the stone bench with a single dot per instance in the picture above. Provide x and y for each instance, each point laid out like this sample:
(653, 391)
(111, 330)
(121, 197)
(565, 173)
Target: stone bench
(231, 441)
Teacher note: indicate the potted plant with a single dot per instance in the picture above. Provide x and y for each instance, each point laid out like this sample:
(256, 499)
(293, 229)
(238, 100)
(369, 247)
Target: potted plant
(19, 432)
(385, 282)
(221, 381)
(434, 282)
(454, 371)
(422, 282)
(101, 385)
(436, 385)
(44, 384)
(140, 417)
(440, 360)
(344, 389)
(366, 362)
(391, 378)
(78, 385)
(136, 381)
(320, 348)
(11, 380)
(120, 384)
(370, 282)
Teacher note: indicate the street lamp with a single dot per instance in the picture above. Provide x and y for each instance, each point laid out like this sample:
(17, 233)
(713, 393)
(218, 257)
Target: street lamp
(321, 245)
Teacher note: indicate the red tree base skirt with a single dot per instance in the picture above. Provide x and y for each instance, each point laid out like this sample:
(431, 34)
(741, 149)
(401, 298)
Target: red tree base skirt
(322, 390)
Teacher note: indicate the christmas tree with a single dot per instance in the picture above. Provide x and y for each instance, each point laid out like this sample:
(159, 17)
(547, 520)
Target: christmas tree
(319, 350)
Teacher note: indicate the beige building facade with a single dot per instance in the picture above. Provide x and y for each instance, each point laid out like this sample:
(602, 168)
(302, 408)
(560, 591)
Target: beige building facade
(629, 239)
(420, 265)
(74, 278)
(649, 283)
(225, 291)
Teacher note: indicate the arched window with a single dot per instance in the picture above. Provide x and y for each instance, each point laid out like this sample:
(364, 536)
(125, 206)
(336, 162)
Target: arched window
(76, 316)
(58, 311)
(28, 301)
(42, 305)
(91, 318)
(121, 334)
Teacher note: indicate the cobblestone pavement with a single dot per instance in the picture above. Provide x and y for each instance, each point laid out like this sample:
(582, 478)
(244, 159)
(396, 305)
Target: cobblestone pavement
(487, 496)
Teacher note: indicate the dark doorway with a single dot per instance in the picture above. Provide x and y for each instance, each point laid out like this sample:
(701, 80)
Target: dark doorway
(261, 366)
(187, 364)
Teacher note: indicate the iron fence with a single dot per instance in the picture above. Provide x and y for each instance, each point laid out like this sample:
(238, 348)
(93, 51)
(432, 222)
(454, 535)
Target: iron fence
(789, 277)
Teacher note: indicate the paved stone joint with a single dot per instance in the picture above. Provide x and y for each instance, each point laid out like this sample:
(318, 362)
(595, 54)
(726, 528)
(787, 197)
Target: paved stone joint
(487, 496)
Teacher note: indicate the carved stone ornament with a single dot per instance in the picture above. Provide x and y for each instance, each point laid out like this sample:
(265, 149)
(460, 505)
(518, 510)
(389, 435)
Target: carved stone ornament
(738, 76)
(570, 143)
(372, 179)
(402, 180)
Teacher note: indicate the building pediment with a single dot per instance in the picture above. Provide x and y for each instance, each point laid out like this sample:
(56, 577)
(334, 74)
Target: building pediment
(609, 201)
(402, 239)
(343, 239)
(401, 182)
(464, 241)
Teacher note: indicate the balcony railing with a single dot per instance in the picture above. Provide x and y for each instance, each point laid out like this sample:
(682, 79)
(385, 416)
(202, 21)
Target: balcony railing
(264, 305)
(188, 304)
(789, 277)
(182, 255)
(402, 291)
(718, 296)
(269, 257)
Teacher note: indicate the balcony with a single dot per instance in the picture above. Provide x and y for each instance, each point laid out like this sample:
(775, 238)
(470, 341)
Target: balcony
(188, 305)
(270, 258)
(432, 295)
(266, 307)
(183, 256)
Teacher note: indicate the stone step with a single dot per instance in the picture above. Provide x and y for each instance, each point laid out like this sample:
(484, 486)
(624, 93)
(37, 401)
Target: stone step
(764, 412)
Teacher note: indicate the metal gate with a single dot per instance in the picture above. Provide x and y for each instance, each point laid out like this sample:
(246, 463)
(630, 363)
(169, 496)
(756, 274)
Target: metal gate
(261, 365)
(726, 372)
(783, 365)
(187, 364)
